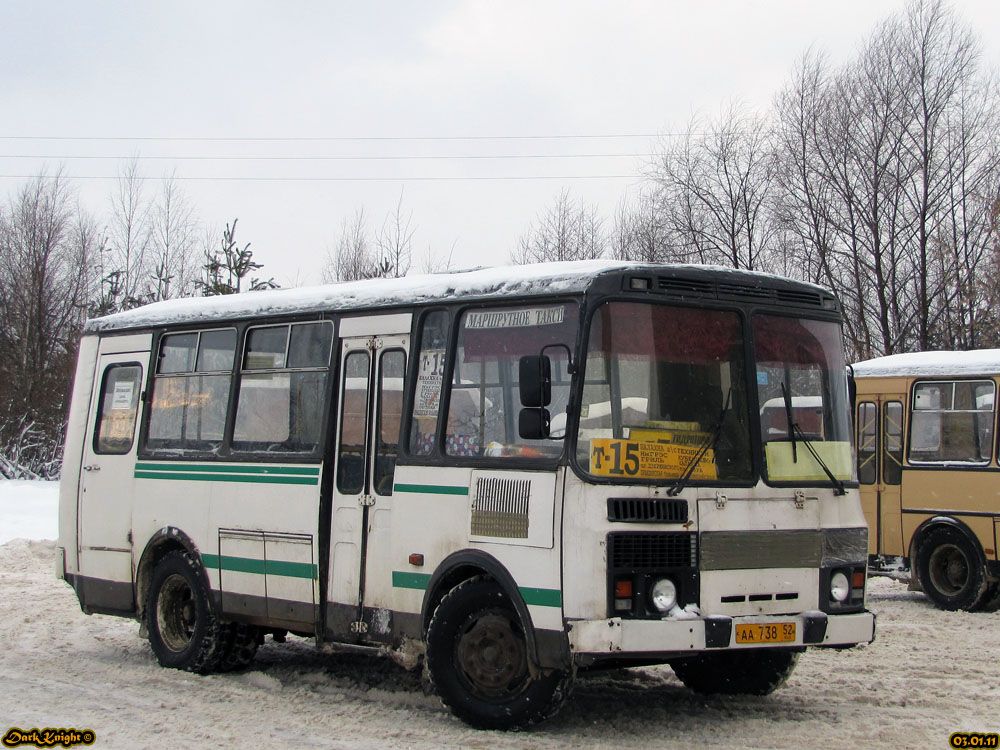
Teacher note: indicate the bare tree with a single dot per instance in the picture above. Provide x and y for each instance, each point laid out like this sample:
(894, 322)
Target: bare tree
(434, 263)
(353, 256)
(172, 265)
(130, 235)
(358, 256)
(394, 242)
(567, 231)
(641, 233)
(714, 189)
(887, 168)
(45, 279)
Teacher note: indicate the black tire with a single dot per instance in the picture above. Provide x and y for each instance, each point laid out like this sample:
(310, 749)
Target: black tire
(239, 645)
(951, 570)
(477, 659)
(990, 600)
(749, 672)
(183, 630)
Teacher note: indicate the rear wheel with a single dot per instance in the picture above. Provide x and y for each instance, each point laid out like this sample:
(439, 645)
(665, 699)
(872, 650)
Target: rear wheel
(749, 672)
(477, 657)
(950, 569)
(240, 644)
(183, 630)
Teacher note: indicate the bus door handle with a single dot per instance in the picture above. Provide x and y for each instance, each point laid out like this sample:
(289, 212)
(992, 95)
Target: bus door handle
(92, 467)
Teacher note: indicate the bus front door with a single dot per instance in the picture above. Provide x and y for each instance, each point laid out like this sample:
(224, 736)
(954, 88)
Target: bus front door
(370, 407)
(880, 470)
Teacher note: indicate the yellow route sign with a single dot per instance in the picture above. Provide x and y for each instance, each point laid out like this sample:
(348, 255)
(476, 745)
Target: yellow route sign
(647, 460)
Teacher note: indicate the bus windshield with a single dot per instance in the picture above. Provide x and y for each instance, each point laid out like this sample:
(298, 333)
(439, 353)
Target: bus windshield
(802, 392)
(665, 395)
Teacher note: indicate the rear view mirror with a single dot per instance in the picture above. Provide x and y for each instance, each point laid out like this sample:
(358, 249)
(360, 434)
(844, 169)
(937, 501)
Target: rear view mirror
(535, 380)
(533, 423)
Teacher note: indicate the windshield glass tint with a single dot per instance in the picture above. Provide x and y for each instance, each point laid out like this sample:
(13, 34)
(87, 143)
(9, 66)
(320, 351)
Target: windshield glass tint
(802, 392)
(664, 395)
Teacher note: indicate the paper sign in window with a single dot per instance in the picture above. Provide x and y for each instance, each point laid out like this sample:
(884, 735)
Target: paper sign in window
(122, 396)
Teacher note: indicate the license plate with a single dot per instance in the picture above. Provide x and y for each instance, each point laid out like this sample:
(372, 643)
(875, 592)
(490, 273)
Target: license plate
(769, 632)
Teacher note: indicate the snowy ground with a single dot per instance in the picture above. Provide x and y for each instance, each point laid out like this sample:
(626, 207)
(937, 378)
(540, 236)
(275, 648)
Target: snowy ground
(928, 674)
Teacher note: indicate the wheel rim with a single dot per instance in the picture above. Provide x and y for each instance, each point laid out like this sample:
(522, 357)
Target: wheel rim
(176, 613)
(949, 569)
(491, 657)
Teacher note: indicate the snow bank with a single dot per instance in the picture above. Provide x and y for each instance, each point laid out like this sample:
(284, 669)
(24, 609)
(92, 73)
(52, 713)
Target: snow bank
(28, 510)
(929, 673)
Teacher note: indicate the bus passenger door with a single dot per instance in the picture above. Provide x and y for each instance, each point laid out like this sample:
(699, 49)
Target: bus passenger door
(880, 470)
(370, 406)
(107, 478)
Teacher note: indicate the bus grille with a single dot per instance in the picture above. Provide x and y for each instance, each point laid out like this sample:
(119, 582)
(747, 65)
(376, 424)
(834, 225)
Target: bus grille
(652, 551)
(647, 510)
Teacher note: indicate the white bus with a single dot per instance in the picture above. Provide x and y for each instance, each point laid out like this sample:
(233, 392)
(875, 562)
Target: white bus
(527, 471)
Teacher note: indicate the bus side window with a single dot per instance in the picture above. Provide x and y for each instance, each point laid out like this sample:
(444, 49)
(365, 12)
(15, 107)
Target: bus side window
(867, 469)
(952, 421)
(282, 392)
(392, 367)
(430, 375)
(119, 405)
(892, 436)
(191, 391)
(354, 418)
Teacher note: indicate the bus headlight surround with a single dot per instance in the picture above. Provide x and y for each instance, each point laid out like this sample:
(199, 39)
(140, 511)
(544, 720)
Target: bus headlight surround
(663, 595)
(840, 586)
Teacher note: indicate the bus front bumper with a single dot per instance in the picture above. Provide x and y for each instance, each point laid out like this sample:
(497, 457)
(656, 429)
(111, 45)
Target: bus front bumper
(668, 636)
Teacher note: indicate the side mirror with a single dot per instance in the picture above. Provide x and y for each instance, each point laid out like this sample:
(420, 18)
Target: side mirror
(535, 380)
(533, 423)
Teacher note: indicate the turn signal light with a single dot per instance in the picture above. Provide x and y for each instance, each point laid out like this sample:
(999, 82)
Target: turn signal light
(858, 579)
(623, 589)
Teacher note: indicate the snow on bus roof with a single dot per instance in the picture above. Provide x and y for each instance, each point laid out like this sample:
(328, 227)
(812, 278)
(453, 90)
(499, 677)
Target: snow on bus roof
(916, 364)
(539, 278)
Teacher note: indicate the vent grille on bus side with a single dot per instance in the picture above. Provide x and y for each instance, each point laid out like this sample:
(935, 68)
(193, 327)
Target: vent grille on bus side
(648, 551)
(500, 508)
(732, 290)
(684, 286)
(814, 299)
(647, 510)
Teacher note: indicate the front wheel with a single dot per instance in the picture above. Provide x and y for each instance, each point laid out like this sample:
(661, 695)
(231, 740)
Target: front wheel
(745, 672)
(477, 657)
(950, 569)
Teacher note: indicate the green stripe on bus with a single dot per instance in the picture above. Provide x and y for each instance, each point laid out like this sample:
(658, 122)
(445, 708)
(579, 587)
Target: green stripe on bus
(430, 489)
(310, 471)
(535, 597)
(253, 478)
(262, 567)
(541, 597)
(401, 580)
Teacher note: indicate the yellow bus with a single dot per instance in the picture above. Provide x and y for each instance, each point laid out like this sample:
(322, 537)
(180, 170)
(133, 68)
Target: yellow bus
(929, 472)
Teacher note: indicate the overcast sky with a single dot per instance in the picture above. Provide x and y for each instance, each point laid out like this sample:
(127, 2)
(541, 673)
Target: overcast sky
(285, 114)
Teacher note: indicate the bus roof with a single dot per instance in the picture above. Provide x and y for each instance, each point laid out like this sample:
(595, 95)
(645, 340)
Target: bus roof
(536, 279)
(919, 364)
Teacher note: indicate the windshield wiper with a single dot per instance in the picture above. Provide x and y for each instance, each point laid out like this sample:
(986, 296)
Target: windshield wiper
(703, 447)
(793, 430)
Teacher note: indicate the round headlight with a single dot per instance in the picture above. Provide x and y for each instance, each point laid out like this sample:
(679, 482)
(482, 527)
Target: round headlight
(663, 595)
(840, 587)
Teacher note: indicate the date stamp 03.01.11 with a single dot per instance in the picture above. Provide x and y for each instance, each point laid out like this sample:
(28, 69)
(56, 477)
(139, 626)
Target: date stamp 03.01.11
(974, 739)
